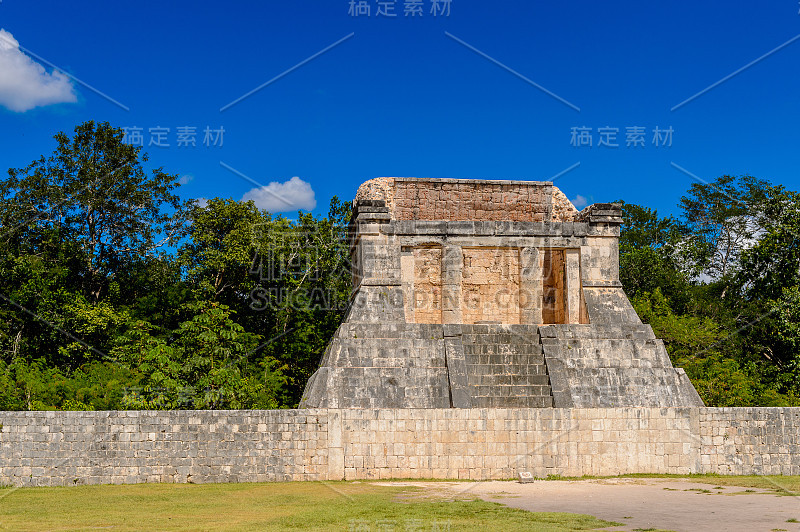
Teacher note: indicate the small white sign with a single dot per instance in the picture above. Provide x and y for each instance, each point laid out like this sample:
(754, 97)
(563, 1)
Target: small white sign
(525, 477)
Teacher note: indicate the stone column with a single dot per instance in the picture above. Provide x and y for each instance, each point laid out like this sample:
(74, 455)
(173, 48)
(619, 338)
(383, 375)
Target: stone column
(452, 265)
(600, 256)
(530, 287)
(573, 288)
(407, 282)
(335, 446)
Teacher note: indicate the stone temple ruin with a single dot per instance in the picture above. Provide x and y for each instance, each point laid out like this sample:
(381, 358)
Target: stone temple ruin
(472, 301)
(475, 293)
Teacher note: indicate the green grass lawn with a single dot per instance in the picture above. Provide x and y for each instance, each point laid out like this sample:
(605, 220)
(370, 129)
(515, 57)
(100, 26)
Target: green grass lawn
(278, 506)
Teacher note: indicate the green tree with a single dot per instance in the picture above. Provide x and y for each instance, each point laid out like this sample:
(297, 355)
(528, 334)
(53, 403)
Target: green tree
(221, 247)
(76, 228)
(771, 263)
(92, 194)
(216, 351)
(650, 256)
(289, 280)
(721, 218)
(207, 364)
(700, 346)
(161, 385)
(304, 288)
(642, 227)
(711, 285)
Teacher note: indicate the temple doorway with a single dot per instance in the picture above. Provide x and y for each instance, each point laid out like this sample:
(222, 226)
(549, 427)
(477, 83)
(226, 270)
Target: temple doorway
(553, 286)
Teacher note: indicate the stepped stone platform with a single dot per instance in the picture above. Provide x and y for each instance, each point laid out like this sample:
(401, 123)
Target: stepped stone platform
(489, 294)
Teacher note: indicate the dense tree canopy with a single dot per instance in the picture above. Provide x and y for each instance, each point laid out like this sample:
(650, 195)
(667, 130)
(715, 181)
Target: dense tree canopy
(92, 199)
(720, 286)
(116, 294)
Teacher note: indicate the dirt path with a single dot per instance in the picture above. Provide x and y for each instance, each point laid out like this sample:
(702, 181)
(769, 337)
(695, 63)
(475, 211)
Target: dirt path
(639, 503)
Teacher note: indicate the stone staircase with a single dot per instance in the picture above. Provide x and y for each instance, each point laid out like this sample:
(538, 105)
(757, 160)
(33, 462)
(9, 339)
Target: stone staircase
(391, 365)
(503, 367)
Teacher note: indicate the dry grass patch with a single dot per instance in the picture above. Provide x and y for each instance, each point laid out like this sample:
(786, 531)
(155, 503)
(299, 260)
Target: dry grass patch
(781, 484)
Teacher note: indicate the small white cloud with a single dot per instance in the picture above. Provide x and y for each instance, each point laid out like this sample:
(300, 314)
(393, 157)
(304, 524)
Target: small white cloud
(580, 202)
(24, 83)
(185, 178)
(292, 195)
(201, 202)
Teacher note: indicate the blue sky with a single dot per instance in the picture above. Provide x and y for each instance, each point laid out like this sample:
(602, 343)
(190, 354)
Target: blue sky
(416, 96)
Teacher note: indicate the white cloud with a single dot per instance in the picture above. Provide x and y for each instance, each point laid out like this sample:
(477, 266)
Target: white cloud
(201, 202)
(580, 202)
(292, 195)
(185, 179)
(24, 83)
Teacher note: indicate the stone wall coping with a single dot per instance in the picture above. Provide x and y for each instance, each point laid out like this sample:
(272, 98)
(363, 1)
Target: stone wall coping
(501, 412)
(450, 180)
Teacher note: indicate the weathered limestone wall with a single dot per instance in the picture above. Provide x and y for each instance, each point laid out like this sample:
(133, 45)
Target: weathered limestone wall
(411, 198)
(450, 199)
(490, 285)
(426, 292)
(469, 251)
(66, 448)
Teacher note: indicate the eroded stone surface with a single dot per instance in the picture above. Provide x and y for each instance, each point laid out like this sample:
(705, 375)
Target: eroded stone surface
(490, 285)
(464, 199)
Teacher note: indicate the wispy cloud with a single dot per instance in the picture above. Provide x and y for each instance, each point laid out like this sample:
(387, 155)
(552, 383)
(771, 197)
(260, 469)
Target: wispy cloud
(579, 201)
(25, 84)
(291, 195)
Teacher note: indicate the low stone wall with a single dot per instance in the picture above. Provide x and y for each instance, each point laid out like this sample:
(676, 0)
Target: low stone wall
(66, 448)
